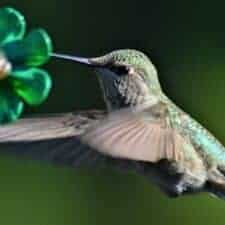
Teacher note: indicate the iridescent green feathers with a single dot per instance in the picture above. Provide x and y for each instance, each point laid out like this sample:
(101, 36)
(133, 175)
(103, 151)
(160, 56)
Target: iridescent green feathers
(25, 82)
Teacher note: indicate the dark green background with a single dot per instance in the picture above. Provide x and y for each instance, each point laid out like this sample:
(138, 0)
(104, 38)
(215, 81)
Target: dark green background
(186, 41)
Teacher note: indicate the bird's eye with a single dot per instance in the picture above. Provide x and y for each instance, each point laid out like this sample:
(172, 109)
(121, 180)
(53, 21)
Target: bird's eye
(120, 70)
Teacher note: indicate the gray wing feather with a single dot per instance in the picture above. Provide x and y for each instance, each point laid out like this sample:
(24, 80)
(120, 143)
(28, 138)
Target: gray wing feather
(52, 138)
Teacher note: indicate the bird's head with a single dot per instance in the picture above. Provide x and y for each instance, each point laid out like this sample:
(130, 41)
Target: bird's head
(127, 77)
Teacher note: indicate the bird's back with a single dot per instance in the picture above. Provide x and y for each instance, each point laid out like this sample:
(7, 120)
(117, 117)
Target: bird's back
(204, 142)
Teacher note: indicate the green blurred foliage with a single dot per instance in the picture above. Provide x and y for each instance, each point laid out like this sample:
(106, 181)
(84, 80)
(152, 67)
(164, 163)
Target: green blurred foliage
(186, 41)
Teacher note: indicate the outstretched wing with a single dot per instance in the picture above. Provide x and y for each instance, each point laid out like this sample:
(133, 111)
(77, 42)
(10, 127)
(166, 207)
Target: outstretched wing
(142, 136)
(53, 138)
(91, 136)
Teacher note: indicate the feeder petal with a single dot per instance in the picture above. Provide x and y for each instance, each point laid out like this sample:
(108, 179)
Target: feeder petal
(12, 25)
(33, 85)
(11, 106)
(32, 51)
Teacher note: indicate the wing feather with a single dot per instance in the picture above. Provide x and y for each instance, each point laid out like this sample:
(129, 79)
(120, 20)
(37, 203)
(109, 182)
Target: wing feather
(135, 136)
(94, 136)
(51, 138)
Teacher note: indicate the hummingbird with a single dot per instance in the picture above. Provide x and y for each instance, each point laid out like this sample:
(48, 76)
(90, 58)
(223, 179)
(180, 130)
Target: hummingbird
(141, 130)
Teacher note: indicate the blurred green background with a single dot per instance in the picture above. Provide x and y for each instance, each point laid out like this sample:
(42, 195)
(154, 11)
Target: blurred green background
(186, 42)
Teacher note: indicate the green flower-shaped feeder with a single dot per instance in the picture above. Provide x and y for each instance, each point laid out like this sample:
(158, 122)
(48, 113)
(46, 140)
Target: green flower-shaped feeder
(20, 79)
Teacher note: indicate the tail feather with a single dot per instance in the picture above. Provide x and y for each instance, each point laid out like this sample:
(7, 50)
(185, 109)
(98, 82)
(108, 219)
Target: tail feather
(217, 189)
(216, 182)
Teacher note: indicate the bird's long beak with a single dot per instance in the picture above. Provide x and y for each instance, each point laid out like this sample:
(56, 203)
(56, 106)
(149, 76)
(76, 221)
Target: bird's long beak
(81, 60)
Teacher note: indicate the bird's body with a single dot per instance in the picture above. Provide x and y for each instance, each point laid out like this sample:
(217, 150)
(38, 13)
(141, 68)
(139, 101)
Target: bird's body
(142, 129)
